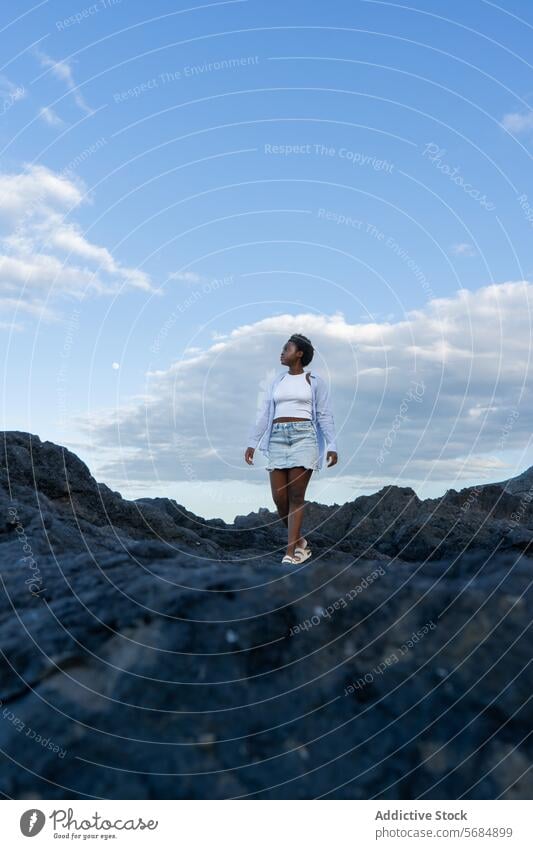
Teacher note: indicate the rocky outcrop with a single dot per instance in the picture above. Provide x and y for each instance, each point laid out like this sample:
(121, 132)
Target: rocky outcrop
(150, 653)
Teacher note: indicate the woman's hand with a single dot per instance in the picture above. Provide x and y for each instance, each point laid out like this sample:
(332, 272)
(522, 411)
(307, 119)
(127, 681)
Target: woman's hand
(249, 456)
(331, 455)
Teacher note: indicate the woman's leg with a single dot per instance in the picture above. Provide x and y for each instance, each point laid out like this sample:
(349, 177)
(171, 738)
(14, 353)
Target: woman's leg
(279, 484)
(299, 477)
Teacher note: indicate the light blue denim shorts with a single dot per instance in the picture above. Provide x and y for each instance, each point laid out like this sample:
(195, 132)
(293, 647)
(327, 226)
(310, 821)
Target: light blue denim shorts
(292, 444)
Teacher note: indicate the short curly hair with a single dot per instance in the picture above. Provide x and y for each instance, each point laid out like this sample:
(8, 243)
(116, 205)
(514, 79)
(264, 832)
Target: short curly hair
(304, 344)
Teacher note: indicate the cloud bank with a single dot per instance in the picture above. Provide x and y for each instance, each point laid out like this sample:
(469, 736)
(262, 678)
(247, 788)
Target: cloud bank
(428, 397)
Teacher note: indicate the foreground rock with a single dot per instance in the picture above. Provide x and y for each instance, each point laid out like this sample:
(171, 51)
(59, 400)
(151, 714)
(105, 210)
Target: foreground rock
(149, 653)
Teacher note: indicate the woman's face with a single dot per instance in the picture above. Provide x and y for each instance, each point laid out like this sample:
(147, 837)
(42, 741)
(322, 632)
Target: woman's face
(289, 354)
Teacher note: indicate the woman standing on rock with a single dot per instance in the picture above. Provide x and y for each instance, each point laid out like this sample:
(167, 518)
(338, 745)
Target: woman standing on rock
(297, 423)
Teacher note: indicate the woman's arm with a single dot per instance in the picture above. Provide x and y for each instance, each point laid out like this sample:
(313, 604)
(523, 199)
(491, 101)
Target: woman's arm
(324, 414)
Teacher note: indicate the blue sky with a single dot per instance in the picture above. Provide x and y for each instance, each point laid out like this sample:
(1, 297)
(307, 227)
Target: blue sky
(183, 188)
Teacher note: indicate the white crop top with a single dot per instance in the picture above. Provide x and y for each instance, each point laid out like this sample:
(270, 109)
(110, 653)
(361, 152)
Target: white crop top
(293, 397)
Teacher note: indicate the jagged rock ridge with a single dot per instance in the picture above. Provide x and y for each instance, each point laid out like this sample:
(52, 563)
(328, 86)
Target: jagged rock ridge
(156, 654)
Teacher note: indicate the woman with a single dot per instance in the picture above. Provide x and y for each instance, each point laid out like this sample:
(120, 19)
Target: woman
(297, 423)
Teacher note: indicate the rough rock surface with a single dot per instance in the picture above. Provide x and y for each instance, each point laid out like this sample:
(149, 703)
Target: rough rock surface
(149, 653)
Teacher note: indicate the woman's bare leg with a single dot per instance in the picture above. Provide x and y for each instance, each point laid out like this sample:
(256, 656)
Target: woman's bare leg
(299, 477)
(279, 484)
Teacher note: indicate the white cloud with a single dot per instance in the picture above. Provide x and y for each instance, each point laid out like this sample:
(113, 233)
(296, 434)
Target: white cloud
(463, 249)
(68, 238)
(50, 117)
(63, 72)
(468, 354)
(44, 252)
(518, 122)
(34, 188)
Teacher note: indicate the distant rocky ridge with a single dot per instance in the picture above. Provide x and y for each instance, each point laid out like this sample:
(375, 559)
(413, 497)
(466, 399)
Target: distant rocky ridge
(170, 656)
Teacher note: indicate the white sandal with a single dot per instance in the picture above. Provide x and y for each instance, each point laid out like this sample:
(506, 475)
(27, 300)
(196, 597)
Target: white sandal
(303, 551)
(291, 560)
(302, 554)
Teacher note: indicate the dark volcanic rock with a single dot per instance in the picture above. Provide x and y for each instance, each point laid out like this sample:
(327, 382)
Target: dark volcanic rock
(150, 653)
